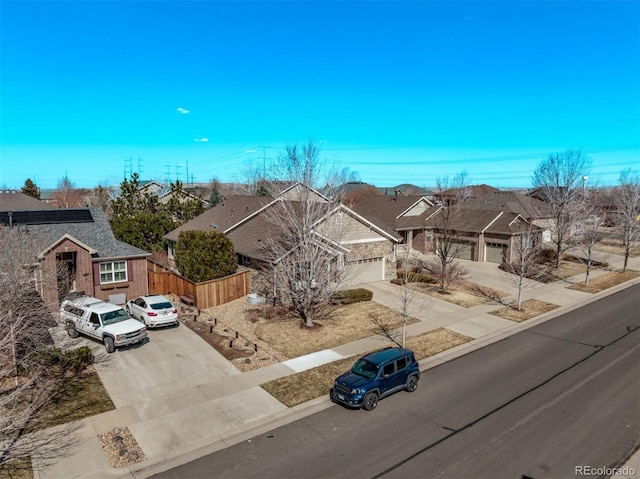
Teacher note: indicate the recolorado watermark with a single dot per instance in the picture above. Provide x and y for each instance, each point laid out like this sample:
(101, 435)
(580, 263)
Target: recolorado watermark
(605, 471)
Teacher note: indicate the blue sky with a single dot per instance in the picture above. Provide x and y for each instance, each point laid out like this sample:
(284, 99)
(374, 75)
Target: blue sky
(395, 91)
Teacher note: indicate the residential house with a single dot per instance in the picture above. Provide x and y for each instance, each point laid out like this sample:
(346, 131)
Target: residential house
(366, 249)
(480, 235)
(400, 215)
(79, 252)
(486, 226)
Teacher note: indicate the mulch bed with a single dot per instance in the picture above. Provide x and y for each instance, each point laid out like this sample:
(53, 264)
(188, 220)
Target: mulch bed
(121, 447)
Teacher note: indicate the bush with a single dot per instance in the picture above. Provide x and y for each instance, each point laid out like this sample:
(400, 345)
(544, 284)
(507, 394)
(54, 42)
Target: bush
(414, 277)
(74, 360)
(78, 359)
(349, 296)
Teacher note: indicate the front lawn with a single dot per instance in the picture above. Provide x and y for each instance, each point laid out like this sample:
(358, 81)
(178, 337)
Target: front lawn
(530, 309)
(600, 283)
(301, 387)
(253, 336)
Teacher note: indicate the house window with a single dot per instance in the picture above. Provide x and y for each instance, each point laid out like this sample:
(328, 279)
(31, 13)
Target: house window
(113, 272)
(245, 259)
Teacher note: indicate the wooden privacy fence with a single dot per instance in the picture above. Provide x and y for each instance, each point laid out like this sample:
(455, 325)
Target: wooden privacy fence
(206, 295)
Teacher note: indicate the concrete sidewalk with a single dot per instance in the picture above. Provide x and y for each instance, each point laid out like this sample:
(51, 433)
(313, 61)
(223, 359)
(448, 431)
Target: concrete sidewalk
(175, 420)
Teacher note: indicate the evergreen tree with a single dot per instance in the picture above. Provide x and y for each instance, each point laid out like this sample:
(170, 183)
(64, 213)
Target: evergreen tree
(183, 207)
(139, 219)
(205, 255)
(31, 189)
(262, 190)
(216, 197)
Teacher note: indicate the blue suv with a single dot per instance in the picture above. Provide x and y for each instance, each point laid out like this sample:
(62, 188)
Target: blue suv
(375, 376)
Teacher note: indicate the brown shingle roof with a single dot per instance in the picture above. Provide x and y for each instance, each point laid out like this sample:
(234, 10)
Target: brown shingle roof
(384, 210)
(224, 215)
(508, 201)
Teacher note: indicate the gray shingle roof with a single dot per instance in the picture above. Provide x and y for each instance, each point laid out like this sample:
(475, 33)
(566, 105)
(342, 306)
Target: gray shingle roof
(18, 201)
(96, 234)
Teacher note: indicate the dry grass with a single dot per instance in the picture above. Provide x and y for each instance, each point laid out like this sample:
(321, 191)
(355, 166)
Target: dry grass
(605, 281)
(463, 294)
(614, 246)
(301, 387)
(77, 397)
(16, 469)
(530, 309)
(281, 337)
(434, 342)
(349, 323)
(566, 270)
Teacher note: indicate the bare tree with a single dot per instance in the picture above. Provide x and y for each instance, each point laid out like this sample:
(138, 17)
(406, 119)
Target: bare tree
(27, 379)
(627, 201)
(102, 196)
(590, 231)
(304, 259)
(524, 268)
(560, 182)
(66, 195)
(407, 300)
(448, 224)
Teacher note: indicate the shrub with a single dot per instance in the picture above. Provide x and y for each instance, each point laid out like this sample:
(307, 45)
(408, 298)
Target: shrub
(55, 359)
(78, 359)
(349, 296)
(205, 255)
(414, 277)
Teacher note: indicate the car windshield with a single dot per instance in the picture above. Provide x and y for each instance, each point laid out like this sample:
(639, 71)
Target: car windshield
(114, 317)
(365, 369)
(163, 305)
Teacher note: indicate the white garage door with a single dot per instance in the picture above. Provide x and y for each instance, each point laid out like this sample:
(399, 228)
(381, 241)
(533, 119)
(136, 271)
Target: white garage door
(365, 271)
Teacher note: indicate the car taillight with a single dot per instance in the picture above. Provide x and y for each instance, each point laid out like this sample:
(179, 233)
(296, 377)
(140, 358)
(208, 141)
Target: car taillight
(153, 314)
(175, 311)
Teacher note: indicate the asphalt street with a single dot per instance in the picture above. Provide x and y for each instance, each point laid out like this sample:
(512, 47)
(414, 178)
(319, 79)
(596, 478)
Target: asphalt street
(538, 404)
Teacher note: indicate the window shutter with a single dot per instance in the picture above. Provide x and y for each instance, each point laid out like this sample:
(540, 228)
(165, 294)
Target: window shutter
(96, 274)
(129, 271)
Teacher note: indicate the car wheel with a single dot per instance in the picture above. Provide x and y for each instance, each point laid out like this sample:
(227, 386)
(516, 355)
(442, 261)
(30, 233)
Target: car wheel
(72, 331)
(412, 384)
(370, 401)
(108, 344)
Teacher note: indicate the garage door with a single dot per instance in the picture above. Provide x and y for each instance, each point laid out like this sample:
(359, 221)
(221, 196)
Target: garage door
(464, 251)
(495, 253)
(365, 271)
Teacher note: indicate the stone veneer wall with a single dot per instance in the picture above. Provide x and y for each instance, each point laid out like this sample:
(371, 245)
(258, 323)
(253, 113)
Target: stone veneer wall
(374, 249)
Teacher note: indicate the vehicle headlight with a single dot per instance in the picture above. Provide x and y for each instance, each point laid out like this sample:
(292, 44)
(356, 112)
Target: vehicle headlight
(356, 391)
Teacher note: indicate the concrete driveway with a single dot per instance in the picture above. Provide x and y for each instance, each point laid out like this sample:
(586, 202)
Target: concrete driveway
(174, 392)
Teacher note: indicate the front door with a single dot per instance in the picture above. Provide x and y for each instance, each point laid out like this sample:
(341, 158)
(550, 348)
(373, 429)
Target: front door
(66, 273)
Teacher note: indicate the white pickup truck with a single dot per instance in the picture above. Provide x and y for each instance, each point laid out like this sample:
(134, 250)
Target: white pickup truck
(100, 320)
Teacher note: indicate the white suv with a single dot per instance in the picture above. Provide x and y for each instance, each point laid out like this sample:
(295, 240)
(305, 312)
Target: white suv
(153, 311)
